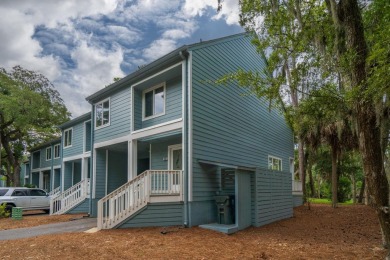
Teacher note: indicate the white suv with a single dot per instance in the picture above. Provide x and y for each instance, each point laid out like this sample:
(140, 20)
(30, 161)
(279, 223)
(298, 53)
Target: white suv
(26, 198)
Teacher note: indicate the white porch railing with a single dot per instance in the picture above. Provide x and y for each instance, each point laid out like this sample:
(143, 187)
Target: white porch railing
(68, 199)
(55, 191)
(150, 186)
(296, 186)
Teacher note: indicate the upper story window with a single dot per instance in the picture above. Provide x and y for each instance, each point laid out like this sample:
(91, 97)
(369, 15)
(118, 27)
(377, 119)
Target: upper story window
(68, 137)
(154, 101)
(274, 163)
(56, 151)
(102, 113)
(48, 153)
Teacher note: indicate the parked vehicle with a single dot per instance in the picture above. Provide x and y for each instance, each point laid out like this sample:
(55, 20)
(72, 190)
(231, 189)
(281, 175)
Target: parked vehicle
(26, 198)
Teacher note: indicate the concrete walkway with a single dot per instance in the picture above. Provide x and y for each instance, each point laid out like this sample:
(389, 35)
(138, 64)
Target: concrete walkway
(77, 225)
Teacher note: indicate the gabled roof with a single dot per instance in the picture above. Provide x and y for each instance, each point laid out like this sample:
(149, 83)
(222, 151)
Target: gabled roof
(46, 144)
(82, 118)
(169, 59)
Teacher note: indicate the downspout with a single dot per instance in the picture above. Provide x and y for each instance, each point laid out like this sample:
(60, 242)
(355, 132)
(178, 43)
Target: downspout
(91, 162)
(184, 56)
(52, 170)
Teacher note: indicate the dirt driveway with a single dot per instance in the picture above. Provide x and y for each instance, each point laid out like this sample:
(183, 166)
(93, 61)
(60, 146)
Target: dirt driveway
(349, 232)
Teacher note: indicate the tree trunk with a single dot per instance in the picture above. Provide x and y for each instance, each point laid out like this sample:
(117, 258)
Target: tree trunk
(334, 177)
(302, 175)
(364, 112)
(362, 189)
(310, 174)
(16, 175)
(354, 188)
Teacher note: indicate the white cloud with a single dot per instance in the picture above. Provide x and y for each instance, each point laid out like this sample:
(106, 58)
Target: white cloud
(81, 45)
(18, 48)
(159, 48)
(95, 69)
(229, 11)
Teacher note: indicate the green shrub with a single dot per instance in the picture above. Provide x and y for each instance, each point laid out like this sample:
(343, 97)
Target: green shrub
(344, 189)
(3, 212)
(28, 185)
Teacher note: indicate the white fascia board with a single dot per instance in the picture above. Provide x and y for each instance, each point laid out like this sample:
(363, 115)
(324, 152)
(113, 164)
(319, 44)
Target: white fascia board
(157, 129)
(112, 141)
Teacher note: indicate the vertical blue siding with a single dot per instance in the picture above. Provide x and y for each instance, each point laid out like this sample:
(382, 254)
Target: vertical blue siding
(76, 172)
(120, 112)
(231, 125)
(87, 134)
(82, 207)
(156, 215)
(35, 178)
(67, 175)
(44, 163)
(57, 178)
(100, 180)
(297, 200)
(137, 99)
(273, 196)
(77, 141)
(36, 161)
(117, 170)
(159, 160)
(173, 104)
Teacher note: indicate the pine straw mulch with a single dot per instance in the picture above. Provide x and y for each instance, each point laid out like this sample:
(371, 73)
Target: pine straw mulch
(35, 218)
(348, 232)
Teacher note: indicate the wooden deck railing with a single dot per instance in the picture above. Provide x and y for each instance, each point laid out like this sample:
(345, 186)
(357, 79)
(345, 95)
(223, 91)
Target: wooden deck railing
(55, 191)
(66, 200)
(296, 186)
(150, 186)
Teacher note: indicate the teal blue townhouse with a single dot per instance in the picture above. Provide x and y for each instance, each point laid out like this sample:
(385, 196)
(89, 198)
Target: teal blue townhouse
(166, 146)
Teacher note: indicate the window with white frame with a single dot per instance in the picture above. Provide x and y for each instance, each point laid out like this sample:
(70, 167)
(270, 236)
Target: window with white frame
(56, 151)
(48, 153)
(102, 113)
(274, 163)
(68, 137)
(154, 101)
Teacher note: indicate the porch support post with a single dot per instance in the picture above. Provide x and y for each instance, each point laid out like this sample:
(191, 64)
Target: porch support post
(132, 167)
(40, 180)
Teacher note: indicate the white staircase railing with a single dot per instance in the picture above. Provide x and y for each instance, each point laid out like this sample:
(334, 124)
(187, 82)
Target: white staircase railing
(55, 191)
(68, 199)
(136, 194)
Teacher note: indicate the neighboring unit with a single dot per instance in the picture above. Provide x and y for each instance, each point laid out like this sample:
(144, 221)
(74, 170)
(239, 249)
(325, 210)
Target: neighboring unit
(43, 170)
(76, 153)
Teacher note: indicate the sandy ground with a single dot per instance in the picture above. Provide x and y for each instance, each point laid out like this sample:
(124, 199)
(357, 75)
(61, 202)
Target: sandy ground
(348, 232)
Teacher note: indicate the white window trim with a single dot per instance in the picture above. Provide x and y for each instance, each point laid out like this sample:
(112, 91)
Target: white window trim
(51, 155)
(277, 158)
(66, 130)
(143, 101)
(109, 114)
(59, 151)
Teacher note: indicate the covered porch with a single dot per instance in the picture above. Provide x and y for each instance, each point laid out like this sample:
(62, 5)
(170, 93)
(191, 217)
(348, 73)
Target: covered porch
(154, 176)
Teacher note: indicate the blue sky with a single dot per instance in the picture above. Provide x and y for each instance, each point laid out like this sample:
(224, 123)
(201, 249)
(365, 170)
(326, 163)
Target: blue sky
(82, 45)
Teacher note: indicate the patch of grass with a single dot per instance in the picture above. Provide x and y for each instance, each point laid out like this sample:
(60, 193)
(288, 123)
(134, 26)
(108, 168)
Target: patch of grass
(328, 201)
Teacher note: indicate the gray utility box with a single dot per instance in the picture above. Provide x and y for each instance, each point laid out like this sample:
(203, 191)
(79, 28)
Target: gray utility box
(224, 209)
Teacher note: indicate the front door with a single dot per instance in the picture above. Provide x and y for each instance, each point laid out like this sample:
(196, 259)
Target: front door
(175, 163)
(46, 181)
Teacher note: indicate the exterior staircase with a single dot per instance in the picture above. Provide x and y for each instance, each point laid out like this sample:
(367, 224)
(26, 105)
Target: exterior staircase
(148, 187)
(65, 201)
